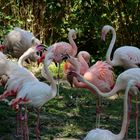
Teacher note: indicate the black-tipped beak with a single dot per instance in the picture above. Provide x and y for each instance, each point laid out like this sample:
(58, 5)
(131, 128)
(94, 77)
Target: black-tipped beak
(65, 56)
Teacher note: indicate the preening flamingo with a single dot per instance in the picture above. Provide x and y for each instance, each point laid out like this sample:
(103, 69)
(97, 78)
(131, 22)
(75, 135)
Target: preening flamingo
(17, 41)
(125, 56)
(103, 134)
(99, 74)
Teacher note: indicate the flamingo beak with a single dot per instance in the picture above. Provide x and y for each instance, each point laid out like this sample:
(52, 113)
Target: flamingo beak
(40, 60)
(65, 57)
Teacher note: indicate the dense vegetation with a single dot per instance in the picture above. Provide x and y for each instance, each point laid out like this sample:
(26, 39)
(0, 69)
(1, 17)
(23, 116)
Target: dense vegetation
(50, 20)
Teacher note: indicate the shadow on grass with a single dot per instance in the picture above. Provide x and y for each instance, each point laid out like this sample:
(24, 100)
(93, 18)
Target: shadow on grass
(71, 115)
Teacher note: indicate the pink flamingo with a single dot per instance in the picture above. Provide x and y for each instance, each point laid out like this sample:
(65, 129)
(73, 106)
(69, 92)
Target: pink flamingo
(30, 87)
(99, 74)
(121, 83)
(60, 48)
(125, 56)
(82, 61)
(104, 134)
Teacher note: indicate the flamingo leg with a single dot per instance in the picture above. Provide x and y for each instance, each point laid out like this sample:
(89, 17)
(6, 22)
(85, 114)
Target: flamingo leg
(26, 130)
(137, 110)
(129, 113)
(19, 119)
(98, 111)
(37, 129)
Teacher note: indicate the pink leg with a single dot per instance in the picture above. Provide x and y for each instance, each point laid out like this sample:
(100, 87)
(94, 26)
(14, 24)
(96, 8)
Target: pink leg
(26, 130)
(19, 120)
(129, 113)
(37, 129)
(137, 118)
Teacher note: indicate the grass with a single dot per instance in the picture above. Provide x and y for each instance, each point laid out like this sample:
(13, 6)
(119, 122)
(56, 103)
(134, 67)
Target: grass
(71, 115)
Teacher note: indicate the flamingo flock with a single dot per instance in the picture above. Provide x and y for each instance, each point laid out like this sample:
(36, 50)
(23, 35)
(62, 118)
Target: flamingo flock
(28, 91)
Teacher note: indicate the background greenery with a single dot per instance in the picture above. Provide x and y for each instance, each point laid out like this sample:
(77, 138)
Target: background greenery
(50, 20)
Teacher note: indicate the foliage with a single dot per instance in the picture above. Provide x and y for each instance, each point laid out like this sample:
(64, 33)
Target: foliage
(50, 20)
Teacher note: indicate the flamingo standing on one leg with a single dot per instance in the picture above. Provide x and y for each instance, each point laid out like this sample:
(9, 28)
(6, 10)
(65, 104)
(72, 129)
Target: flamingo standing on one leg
(121, 83)
(125, 56)
(99, 74)
(103, 134)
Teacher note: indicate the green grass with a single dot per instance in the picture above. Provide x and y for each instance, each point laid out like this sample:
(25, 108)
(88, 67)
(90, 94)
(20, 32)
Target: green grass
(71, 115)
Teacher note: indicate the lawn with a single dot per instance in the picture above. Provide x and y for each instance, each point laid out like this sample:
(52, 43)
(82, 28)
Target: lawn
(69, 115)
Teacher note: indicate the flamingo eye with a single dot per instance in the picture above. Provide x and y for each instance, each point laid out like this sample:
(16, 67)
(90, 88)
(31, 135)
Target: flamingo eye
(39, 53)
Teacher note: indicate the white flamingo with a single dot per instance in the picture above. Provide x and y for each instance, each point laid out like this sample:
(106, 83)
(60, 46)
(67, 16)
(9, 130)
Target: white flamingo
(36, 93)
(125, 56)
(121, 83)
(17, 41)
(103, 134)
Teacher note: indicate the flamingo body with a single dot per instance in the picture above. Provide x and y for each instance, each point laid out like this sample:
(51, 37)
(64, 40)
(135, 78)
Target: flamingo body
(125, 56)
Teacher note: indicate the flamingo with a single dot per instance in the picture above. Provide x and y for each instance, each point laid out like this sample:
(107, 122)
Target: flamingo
(17, 41)
(99, 74)
(121, 84)
(60, 48)
(125, 56)
(83, 58)
(103, 134)
(34, 92)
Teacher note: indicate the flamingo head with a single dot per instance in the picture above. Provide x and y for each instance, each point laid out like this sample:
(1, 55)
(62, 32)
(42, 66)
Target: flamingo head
(70, 76)
(41, 52)
(72, 33)
(76, 75)
(105, 30)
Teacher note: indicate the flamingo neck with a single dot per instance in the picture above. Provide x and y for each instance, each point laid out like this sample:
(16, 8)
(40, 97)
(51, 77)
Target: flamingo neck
(109, 51)
(125, 113)
(24, 56)
(75, 63)
(84, 64)
(73, 44)
(115, 89)
(49, 77)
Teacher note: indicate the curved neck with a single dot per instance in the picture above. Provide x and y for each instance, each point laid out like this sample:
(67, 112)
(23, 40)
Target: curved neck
(125, 113)
(109, 51)
(73, 44)
(73, 61)
(25, 55)
(84, 64)
(49, 77)
(115, 89)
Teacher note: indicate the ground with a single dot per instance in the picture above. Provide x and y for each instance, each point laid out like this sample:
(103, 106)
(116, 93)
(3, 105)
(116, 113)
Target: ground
(69, 116)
